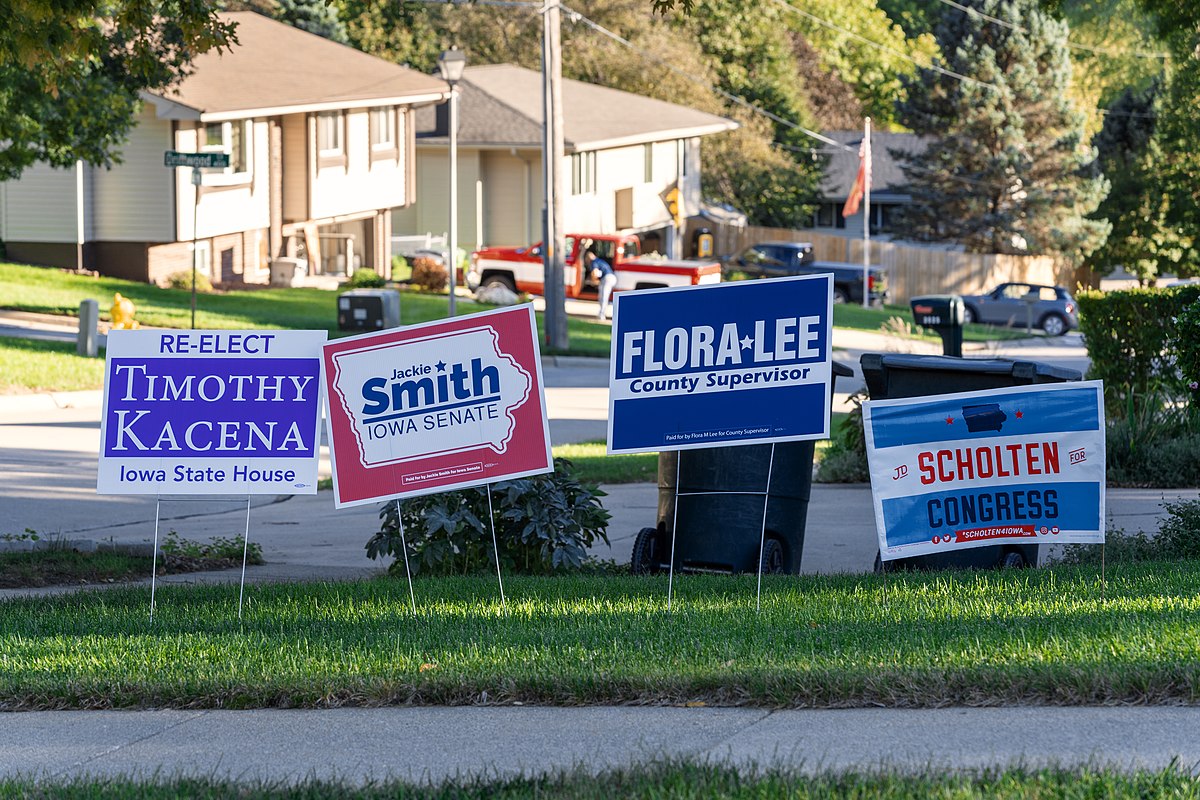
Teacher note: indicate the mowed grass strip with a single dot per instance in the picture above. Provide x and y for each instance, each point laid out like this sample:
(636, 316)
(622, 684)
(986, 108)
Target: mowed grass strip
(662, 782)
(910, 640)
(594, 465)
(31, 365)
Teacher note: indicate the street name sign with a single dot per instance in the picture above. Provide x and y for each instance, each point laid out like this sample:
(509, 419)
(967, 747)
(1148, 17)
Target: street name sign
(437, 406)
(735, 363)
(1021, 465)
(211, 412)
(174, 158)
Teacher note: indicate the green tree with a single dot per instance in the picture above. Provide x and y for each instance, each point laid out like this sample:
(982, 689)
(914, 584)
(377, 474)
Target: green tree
(1143, 240)
(1178, 167)
(314, 16)
(1007, 169)
(71, 70)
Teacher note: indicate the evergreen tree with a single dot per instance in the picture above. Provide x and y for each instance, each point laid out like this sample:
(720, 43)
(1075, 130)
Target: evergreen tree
(1178, 167)
(1007, 169)
(314, 16)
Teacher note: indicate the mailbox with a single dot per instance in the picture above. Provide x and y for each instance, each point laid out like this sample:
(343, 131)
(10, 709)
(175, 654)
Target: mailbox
(365, 310)
(943, 314)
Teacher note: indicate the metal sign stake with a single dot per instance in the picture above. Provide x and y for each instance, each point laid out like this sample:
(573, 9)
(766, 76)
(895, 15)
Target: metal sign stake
(245, 552)
(495, 545)
(762, 543)
(154, 558)
(674, 528)
(1103, 577)
(404, 548)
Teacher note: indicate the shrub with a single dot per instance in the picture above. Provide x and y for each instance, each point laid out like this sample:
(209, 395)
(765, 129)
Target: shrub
(399, 268)
(183, 280)
(1178, 539)
(1187, 347)
(365, 279)
(1130, 338)
(845, 460)
(430, 274)
(543, 523)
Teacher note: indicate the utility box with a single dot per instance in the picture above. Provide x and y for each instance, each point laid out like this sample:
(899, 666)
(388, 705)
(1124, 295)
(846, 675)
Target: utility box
(364, 310)
(287, 271)
(942, 314)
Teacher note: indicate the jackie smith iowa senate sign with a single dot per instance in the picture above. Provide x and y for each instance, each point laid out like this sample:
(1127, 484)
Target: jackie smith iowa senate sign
(432, 407)
(211, 412)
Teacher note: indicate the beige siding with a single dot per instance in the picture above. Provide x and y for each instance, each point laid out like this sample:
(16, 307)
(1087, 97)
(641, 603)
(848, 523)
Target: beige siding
(225, 209)
(41, 206)
(132, 202)
(358, 185)
(295, 168)
(507, 188)
(431, 212)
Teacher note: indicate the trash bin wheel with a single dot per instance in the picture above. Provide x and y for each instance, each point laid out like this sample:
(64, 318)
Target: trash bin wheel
(772, 557)
(1013, 560)
(642, 561)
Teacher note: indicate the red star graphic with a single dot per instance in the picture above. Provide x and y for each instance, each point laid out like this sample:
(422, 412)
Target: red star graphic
(1020, 414)
(949, 420)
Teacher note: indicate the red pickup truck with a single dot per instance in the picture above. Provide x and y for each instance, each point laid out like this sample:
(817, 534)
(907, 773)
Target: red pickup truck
(521, 269)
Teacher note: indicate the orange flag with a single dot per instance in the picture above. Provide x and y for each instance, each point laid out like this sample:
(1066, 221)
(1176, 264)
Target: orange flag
(860, 181)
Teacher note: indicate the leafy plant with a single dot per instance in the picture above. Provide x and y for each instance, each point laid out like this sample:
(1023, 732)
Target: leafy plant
(1178, 539)
(845, 460)
(30, 535)
(217, 548)
(365, 279)
(429, 273)
(1186, 342)
(543, 524)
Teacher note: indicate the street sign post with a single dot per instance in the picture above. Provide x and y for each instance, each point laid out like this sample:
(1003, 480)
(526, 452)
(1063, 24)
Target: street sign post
(174, 158)
(197, 161)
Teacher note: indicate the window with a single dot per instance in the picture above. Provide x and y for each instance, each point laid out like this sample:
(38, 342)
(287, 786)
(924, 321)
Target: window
(648, 163)
(583, 173)
(824, 216)
(231, 138)
(329, 133)
(383, 128)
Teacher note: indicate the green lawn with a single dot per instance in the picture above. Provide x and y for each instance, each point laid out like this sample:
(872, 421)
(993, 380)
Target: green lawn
(53, 291)
(989, 638)
(672, 781)
(856, 317)
(29, 365)
(592, 465)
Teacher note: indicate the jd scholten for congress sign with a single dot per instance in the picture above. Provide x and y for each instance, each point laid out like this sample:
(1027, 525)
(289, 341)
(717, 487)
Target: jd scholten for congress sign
(211, 412)
(734, 363)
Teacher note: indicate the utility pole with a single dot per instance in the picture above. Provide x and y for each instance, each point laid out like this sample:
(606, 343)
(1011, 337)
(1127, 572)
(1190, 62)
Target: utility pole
(553, 152)
(867, 213)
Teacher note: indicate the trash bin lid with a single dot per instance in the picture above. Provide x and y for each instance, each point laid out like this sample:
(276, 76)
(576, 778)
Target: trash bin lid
(990, 366)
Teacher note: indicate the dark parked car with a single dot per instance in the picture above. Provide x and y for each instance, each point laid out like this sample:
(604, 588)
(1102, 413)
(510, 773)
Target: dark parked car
(782, 259)
(1054, 309)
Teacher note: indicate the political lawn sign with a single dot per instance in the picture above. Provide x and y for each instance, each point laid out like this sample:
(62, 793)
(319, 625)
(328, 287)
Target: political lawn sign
(1022, 465)
(211, 412)
(729, 364)
(438, 406)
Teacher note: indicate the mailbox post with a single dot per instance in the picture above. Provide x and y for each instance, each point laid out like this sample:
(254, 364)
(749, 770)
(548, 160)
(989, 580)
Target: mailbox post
(942, 313)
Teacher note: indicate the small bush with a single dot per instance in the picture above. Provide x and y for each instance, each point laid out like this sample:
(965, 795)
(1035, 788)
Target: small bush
(1178, 539)
(845, 460)
(543, 524)
(429, 274)
(1187, 347)
(183, 280)
(218, 548)
(1131, 337)
(365, 279)
(399, 268)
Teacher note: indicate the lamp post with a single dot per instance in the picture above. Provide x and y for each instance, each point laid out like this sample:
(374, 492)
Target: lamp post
(451, 64)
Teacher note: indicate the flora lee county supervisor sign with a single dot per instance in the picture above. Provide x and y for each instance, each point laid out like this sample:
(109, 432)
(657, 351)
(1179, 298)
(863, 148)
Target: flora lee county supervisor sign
(1023, 465)
(211, 412)
(732, 363)
(437, 406)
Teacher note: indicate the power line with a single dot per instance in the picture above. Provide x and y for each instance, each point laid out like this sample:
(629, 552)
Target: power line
(1108, 51)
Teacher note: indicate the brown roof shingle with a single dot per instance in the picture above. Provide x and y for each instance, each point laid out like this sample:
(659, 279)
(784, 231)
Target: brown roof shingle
(276, 66)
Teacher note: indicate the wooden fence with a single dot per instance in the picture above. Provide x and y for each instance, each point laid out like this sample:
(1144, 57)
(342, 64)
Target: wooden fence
(912, 269)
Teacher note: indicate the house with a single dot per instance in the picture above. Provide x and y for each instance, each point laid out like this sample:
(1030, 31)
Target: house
(624, 152)
(320, 139)
(889, 185)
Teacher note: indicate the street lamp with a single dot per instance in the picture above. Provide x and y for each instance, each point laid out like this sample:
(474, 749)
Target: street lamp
(451, 64)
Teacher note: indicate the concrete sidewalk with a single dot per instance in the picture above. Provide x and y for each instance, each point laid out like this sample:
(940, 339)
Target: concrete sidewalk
(438, 744)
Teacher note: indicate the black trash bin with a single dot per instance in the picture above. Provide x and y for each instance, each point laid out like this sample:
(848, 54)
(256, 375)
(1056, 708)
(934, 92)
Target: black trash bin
(892, 375)
(722, 531)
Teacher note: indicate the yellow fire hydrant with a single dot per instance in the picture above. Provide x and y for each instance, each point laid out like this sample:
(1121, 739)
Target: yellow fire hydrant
(122, 313)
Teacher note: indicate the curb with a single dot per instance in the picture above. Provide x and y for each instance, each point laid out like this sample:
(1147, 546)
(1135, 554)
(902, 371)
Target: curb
(574, 361)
